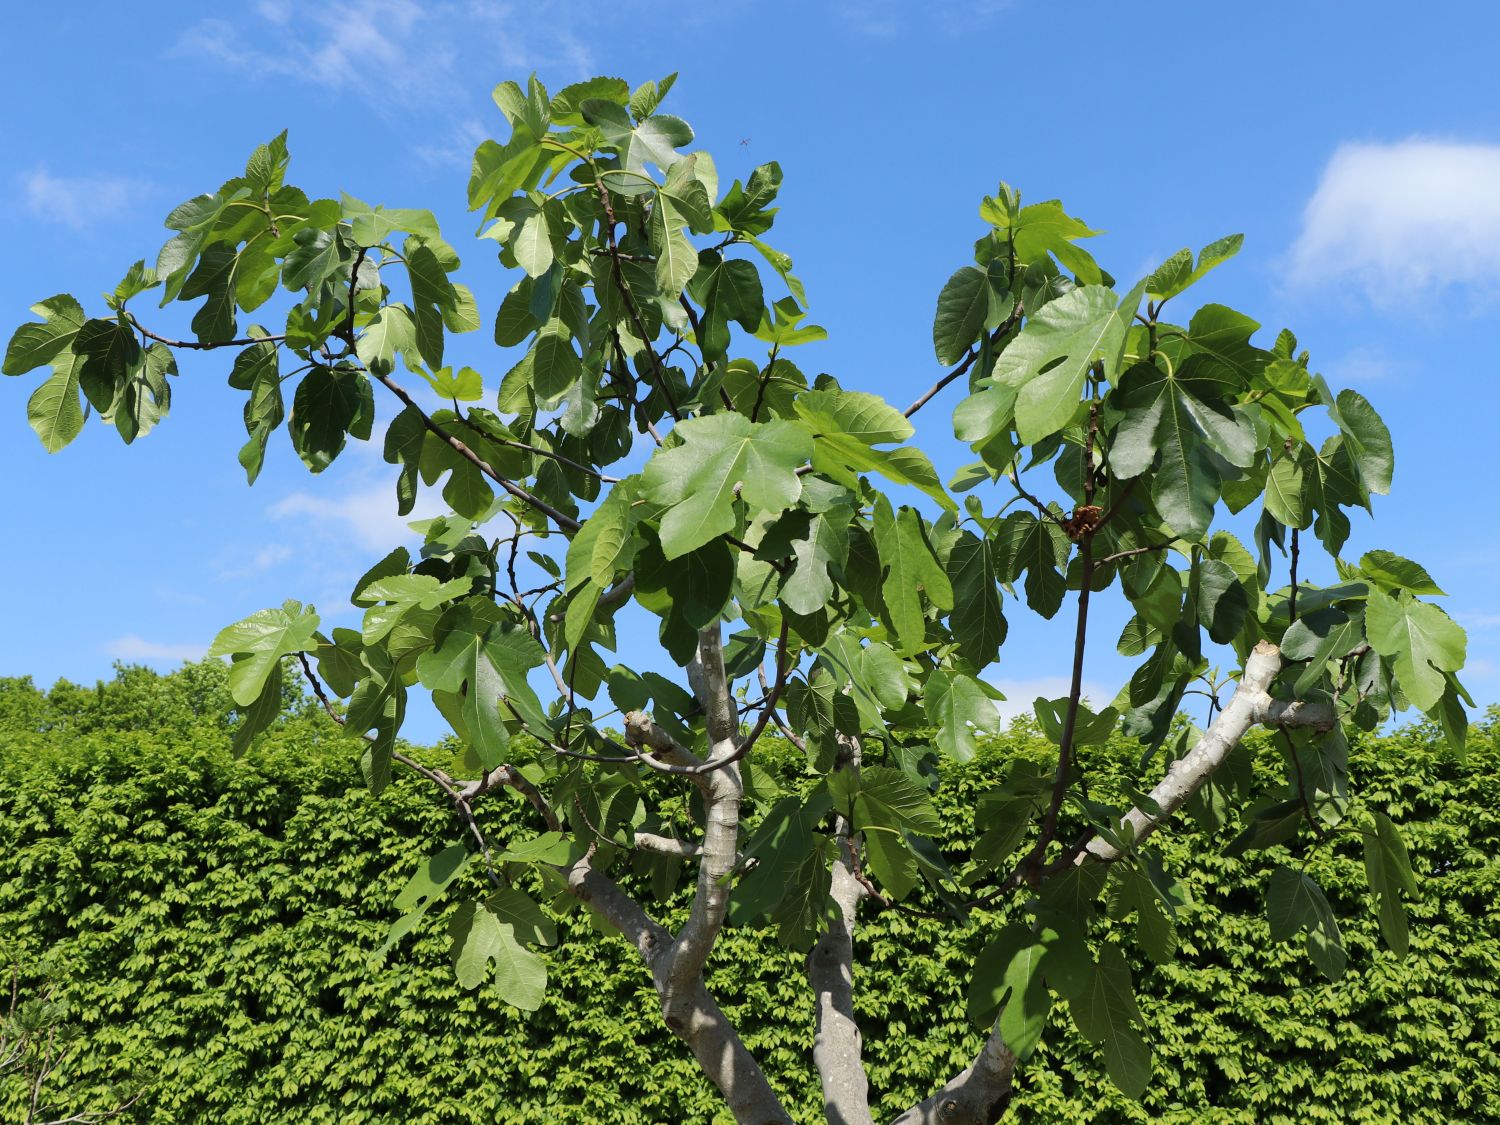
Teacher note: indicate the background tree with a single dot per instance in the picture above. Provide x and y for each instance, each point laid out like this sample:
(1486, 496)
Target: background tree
(762, 501)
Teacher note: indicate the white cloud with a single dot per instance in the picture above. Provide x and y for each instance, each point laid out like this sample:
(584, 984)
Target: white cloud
(1401, 220)
(388, 50)
(368, 514)
(262, 560)
(1019, 694)
(133, 647)
(1359, 366)
(457, 149)
(79, 201)
(886, 19)
(274, 11)
(371, 45)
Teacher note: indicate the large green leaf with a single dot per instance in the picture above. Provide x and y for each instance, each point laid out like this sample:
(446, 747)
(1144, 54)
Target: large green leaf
(958, 707)
(1038, 548)
(1367, 439)
(723, 456)
(977, 621)
(1318, 637)
(434, 875)
(1103, 1013)
(676, 258)
(1294, 903)
(53, 410)
(482, 939)
(654, 141)
(432, 294)
(401, 593)
(36, 343)
(370, 226)
(331, 404)
(1392, 573)
(263, 639)
(887, 804)
(1164, 415)
(145, 396)
(911, 569)
(1048, 359)
(1177, 273)
(729, 289)
(389, 334)
(810, 586)
(1423, 641)
(486, 661)
(961, 310)
(1388, 869)
(865, 418)
(107, 351)
(1045, 228)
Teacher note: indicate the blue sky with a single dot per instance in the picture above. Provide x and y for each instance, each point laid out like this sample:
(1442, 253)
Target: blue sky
(1356, 146)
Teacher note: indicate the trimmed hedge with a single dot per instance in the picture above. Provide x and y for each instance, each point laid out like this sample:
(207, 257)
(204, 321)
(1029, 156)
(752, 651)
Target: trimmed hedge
(209, 923)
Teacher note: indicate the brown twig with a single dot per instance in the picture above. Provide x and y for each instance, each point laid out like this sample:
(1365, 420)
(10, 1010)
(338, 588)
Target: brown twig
(1080, 638)
(1118, 555)
(1292, 600)
(538, 450)
(144, 331)
(968, 362)
(564, 521)
(625, 295)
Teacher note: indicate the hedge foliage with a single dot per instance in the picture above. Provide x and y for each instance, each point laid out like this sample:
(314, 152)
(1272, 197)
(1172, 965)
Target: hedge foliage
(209, 924)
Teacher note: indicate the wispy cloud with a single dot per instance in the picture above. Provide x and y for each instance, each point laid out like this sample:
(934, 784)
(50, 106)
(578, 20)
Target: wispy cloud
(388, 50)
(457, 148)
(133, 647)
(1020, 694)
(338, 45)
(368, 514)
(79, 201)
(1360, 366)
(886, 19)
(1401, 221)
(271, 555)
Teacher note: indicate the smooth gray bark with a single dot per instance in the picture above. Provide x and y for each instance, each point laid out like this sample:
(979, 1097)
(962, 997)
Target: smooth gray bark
(830, 971)
(721, 805)
(1250, 705)
(979, 1094)
(691, 1014)
(677, 964)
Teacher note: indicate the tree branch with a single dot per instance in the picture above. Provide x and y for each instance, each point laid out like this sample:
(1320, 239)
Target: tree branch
(195, 345)
(693, 1015)
(1080, 639)
(564, 521)
(666, 845)
(979, 1094)
(968, 362)
(1250, 704)
(837, 1044)
(722, 789)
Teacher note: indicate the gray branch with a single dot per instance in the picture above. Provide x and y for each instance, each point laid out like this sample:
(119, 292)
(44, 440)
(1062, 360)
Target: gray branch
(666, 845)
(1250, 705)
(830, 972)
(691, 1014)
(721, 827)
(677, 965)
(978, 1095)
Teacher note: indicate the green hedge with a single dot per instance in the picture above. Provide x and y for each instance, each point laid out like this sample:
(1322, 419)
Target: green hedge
(209, 922)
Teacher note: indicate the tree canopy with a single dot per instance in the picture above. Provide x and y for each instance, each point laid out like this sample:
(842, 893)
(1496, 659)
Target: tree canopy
(651, 442)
